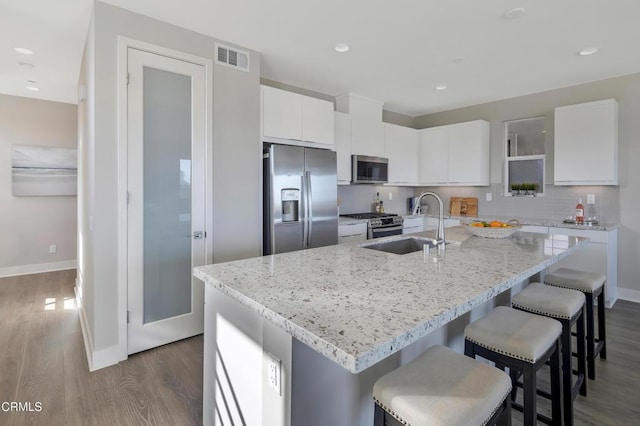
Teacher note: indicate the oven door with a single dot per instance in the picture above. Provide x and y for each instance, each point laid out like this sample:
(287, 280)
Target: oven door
(384, 231)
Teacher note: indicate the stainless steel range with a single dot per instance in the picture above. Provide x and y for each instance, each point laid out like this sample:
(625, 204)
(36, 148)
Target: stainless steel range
(380, 224)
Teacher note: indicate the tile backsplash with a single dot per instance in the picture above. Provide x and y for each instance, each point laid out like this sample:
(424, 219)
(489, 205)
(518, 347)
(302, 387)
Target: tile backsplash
(360, 198)
(557, 203)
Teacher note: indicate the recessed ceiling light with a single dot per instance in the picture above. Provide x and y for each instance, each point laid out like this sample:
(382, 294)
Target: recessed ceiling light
(588, 51)
(441, 87)
(33, 88)
(514, 13)
(342, 47)
(23, 50)
(26, 64)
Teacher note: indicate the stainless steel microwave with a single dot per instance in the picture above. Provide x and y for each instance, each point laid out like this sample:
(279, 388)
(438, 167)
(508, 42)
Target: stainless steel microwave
(366, 169)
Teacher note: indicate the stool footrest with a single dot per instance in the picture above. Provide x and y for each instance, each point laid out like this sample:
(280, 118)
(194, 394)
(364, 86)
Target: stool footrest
(544, 419)
(543, 393)
(577, 387)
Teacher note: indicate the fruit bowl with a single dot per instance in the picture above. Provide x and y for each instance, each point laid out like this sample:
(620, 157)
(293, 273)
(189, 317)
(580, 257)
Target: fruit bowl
(503, 231)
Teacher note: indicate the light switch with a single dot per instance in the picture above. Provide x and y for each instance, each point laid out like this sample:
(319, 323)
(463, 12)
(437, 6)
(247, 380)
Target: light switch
(489, 196)
(591, 198)
(390, 196)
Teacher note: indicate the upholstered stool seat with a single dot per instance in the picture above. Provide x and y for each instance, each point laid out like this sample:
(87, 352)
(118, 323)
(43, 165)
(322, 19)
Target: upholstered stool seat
(442, 387)
(523, 342)
(567, 306)
(592, 285)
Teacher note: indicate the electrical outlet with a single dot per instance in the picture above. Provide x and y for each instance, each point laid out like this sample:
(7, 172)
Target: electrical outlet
(591, 198)
(273, 373)
(488, 196)
(53, 249)
(390, 196)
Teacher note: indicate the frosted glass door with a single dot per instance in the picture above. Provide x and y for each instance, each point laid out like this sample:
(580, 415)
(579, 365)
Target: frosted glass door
(166, 209)
(167, 194)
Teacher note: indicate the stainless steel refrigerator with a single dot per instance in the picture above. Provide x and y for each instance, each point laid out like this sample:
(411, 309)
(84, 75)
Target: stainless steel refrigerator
(300, 198)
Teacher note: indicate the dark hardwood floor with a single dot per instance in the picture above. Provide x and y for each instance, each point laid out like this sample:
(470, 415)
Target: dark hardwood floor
(42, 360)
(614, 397)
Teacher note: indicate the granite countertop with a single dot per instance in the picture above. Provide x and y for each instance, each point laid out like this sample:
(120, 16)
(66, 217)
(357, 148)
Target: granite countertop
(357, 306)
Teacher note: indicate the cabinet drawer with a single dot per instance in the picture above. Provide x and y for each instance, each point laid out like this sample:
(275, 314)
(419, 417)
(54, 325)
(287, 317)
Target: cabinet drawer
(352, 229)
(594, 236)
(432, 222)
(535, 229)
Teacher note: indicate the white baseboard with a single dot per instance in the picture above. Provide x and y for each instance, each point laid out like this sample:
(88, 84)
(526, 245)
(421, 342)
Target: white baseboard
(96, 359)
(629, 294)
(12, 271)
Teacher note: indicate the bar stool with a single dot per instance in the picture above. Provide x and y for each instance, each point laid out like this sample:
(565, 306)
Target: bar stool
(566, 306)
(523, 342)
(443, 387)
(592, 285)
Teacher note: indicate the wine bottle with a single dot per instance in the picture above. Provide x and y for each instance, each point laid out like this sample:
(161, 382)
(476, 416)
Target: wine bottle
(579, 212)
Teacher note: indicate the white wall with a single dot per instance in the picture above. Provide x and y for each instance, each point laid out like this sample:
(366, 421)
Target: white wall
(619, 204)
(30, 224)
(236, 160)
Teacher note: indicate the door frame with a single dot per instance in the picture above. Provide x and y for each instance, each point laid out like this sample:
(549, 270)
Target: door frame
(124, 43)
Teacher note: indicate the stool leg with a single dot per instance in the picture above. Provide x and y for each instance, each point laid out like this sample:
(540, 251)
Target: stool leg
(469, 349)
(582, 356)
(601, 326)
(591, 367)
(514, 374)
(378, 415)
(505, 418)
(529, 387)
(556, 384)
(567, 373)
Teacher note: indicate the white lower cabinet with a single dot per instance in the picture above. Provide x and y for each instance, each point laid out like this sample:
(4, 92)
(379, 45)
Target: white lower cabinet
(431, 223)
(411, 225)
(600, 255)
(352, 233)
(535, 229)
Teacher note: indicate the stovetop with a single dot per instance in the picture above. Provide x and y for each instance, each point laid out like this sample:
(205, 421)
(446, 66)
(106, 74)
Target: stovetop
(368, 215)
(378, 220)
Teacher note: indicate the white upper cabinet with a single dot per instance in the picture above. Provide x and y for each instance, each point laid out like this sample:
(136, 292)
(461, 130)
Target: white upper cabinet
(434, 155)
(342, 138)
(317, 120)
(586, 144)
(290, 116)
(469, 153)
(367, 131)
(401, 148)
(281, 114)
(455, 155)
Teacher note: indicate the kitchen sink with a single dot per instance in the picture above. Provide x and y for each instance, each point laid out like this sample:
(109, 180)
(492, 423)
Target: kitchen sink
(402, 246)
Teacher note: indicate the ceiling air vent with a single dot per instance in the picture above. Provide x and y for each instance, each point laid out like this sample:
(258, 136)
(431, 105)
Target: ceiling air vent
(232, 57)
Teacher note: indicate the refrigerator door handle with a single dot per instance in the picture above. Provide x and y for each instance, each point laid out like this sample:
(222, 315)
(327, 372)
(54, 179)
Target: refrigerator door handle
(309, 209)
(305, 209)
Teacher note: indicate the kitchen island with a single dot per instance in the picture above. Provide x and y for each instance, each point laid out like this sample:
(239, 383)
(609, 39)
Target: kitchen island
(300, 338)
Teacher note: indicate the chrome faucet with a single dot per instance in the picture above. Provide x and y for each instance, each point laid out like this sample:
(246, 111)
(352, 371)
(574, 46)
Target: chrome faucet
(440, 233)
